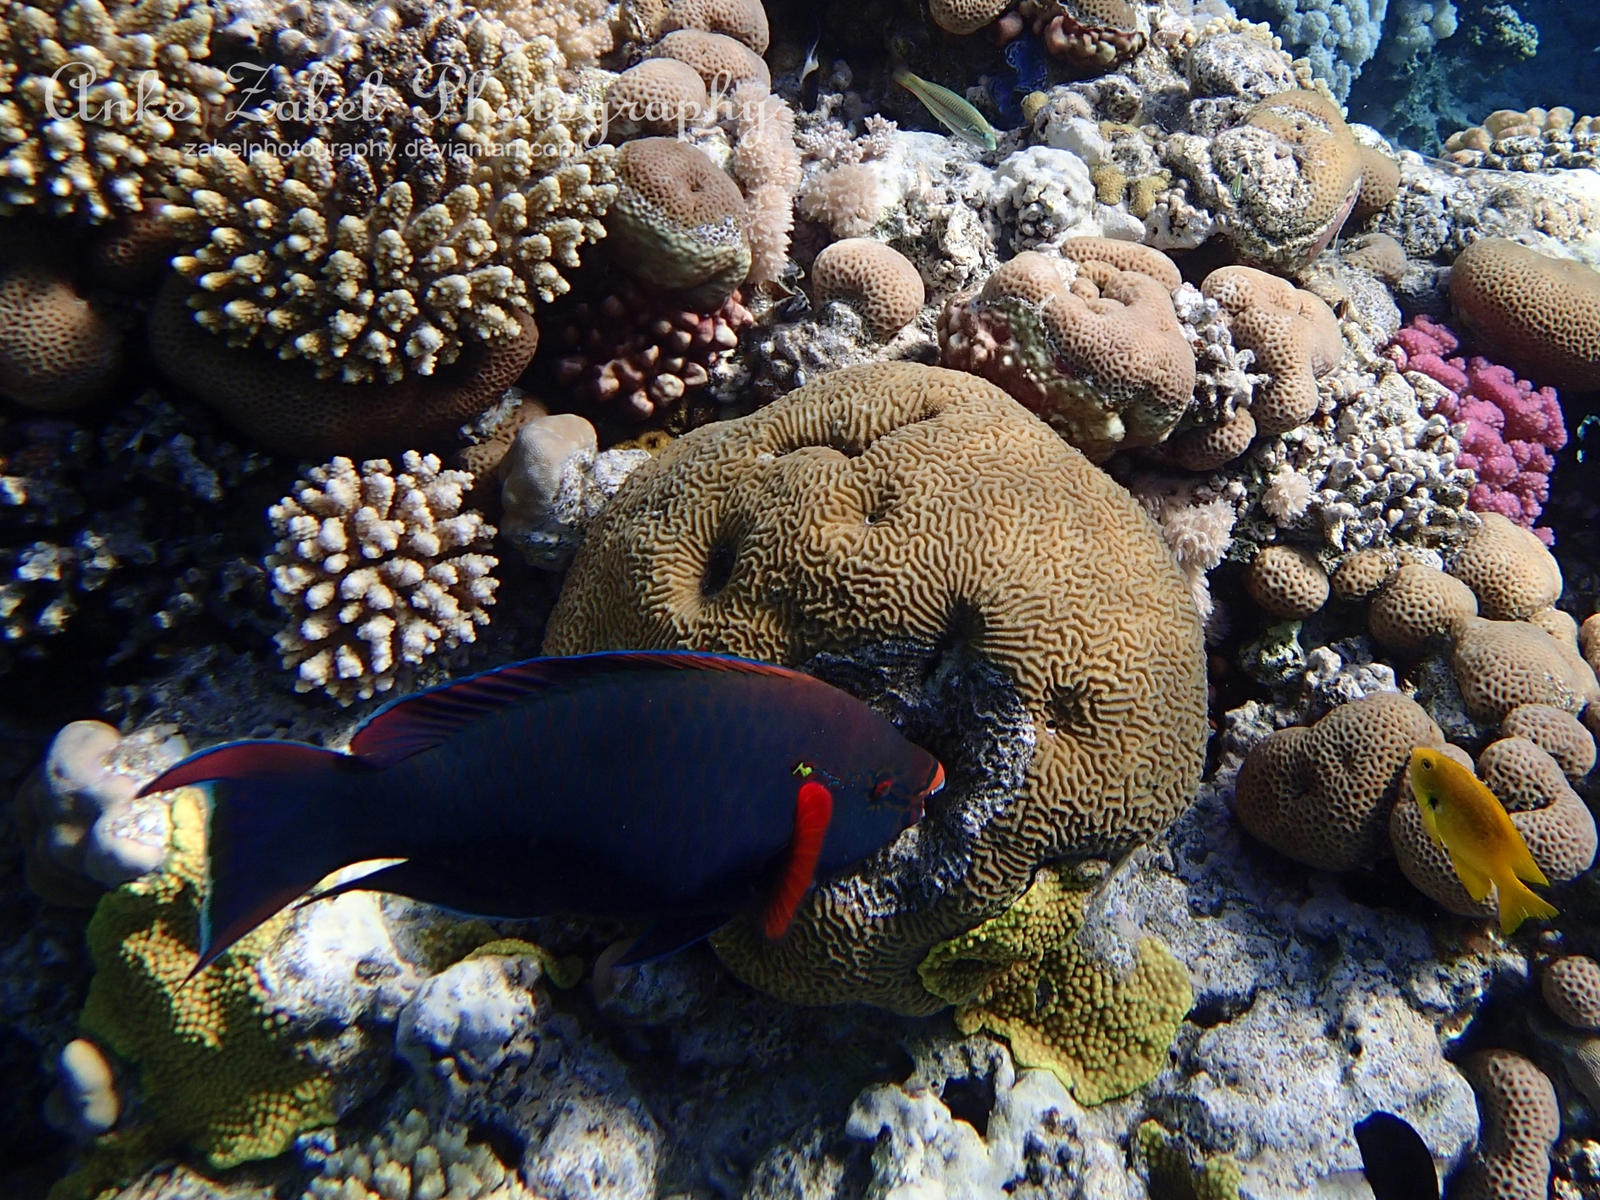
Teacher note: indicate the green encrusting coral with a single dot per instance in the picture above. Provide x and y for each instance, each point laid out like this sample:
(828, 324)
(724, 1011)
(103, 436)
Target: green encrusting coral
(216, 1072)
(1021, 975)
(1171, 1177)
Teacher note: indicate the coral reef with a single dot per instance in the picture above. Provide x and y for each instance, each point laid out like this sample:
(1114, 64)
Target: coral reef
(1509, 432)
(906, 464)
(377, 570)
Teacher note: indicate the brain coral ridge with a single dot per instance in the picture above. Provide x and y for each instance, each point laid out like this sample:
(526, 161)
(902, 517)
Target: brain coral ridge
(97, 100)
(1090, 342)
(898, 505)
(388, 259)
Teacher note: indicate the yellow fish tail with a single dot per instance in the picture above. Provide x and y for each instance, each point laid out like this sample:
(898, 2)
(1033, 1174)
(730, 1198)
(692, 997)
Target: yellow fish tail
(1525, 869)
(1517, 903)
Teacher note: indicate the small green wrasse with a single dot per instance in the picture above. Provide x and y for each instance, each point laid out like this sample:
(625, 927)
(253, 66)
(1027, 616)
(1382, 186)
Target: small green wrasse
(1469, 822)
(952, 111)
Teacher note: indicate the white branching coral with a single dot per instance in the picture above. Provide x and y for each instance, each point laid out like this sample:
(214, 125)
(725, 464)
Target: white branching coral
(381, 246)
(413, 1159)
(377, 570)
(98, 99)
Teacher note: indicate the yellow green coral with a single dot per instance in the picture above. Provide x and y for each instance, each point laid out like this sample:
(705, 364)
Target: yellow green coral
(1173, 1178)
(215, 1070)
(1022, 976)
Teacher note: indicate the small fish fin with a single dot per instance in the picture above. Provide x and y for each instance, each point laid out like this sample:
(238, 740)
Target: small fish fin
(668, 937)
(1523, 866)
(1395, 1159)
(813, 810)
(1475, 881)
(391, 878)
(416, 723)
(273, 832)
(254, 760)
(1517, 903)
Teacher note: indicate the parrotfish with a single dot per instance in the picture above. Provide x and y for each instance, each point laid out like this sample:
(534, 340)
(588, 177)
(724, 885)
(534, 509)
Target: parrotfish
(955, 112)
(1465, 818)
(680, 787)
(1395, 1159)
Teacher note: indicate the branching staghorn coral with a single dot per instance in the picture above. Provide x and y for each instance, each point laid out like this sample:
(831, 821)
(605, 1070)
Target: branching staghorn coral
(426, 210)
(97, 100)
(378, 570)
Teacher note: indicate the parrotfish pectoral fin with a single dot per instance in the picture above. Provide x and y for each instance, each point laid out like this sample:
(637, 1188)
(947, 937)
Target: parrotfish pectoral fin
(813, 810)
(1517, 903)
(416, 723)
(668, 937)
(281, 818)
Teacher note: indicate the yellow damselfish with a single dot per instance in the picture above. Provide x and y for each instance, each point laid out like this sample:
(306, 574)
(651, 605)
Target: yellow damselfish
(1469, 822)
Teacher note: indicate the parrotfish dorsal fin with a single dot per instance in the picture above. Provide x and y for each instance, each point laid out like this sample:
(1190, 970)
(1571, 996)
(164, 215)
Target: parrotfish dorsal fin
(813, 809)
(252, 760)
(668, 937)
(416, 723)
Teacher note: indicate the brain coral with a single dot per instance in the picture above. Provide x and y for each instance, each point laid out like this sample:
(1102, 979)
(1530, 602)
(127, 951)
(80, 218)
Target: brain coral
(1322, 794)
(57, 351)
(381, 241)
(873, 277)
(1508, 569)
(98, 99)
(901, 510)
(1090, 341)
(1540, 314)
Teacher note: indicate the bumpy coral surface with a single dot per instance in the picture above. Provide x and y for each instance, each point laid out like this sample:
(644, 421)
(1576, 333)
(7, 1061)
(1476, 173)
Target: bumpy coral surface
(1089, 341)
(1509, 431)
(415, 1158)
(904, 506)
(1541, 314)
(1102, 1036)
(875, 278)
(431, 236)
(99, 101)
(57, 350)
(1521, 1122)
(378, 569)
(213, 1071)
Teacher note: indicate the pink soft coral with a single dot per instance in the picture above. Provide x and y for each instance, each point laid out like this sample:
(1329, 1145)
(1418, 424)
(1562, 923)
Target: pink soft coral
(1508, 431)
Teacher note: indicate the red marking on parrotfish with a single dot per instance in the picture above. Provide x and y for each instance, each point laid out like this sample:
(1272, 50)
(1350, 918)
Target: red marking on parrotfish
(813, 809)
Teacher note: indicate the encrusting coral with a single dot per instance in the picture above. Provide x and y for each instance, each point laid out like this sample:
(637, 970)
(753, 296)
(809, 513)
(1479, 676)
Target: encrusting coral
(98, 101)
(897, 513)
(213, 1071)
(1021, 975)
(436, 236)
(377, 569)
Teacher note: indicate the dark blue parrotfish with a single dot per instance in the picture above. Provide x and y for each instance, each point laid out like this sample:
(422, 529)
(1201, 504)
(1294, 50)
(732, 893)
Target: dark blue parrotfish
(679, 787)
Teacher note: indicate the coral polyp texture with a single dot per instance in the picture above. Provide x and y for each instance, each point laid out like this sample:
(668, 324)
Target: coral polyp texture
(429, 236)
(888, 522)
(1102, 1036)
(1521, 1122)
(377, 569)
(100, 101)
(1540, 313)
(874, 278)
(1089, 341)
(1510, 431)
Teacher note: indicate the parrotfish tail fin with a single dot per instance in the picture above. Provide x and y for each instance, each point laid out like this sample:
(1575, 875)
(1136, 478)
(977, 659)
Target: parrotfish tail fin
(1517, 903)
(280, 818)
(813, 810)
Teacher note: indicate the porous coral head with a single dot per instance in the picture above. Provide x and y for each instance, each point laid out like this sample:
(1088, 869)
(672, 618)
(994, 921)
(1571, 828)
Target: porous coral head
(658, 95)
(380, 240)
(100, 100)
(1322, 794)
(378, 569)
(1293, 333)
(916, 513)
(1090, 342)
(1417, 603)
(1541, 315)
(1090, 36)
(1520, 1120)
(1571, 987)
(1501, 664)
(745, 21)
(677, 223)
(1287, 582)
(872, 277)
(57, 351)
(1508, 569)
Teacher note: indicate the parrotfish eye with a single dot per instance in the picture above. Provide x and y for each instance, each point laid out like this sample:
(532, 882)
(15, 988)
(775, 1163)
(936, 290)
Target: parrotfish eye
(881, 788)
